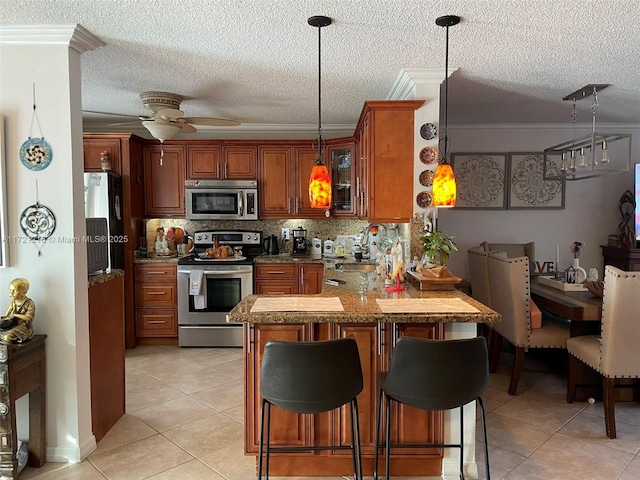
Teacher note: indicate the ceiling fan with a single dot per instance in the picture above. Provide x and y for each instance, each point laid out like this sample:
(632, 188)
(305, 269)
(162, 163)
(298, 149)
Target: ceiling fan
(167, 119)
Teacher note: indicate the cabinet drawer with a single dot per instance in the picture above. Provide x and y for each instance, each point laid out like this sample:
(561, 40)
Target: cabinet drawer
(156, 271)
(157, 323)
(276, 270)
(276, 288)
(156, 295)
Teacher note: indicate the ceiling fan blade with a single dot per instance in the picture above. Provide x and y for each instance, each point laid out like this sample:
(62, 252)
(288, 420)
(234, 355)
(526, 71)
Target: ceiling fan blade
(187, 128)
(211, 122)
(170, 113)
(110, 114)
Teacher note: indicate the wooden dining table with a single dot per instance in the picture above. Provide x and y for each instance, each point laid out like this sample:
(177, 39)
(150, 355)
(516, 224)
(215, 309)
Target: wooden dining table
(581, 307)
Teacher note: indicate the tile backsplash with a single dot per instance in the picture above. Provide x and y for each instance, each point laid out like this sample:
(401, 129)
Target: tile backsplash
(320, 228)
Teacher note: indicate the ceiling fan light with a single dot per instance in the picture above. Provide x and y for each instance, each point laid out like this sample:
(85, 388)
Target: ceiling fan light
(161, 130)
(320, 187)
(444, 186)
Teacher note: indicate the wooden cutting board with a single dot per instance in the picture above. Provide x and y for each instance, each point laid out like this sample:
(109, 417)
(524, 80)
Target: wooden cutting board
(425, 305)
(297, 304)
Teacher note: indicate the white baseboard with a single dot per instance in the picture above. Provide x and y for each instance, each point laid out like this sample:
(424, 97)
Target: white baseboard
(72, 455)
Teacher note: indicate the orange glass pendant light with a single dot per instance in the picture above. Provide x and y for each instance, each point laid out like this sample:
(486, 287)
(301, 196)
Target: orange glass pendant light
(444, 181)
(320, 180)
(444, 186)
(320, 187)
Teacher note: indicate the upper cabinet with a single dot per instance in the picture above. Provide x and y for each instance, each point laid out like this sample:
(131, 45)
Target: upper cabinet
(93, 148)
(283, 181)
(164, 181)
(385, 147)
(217, 162)
(342, 161)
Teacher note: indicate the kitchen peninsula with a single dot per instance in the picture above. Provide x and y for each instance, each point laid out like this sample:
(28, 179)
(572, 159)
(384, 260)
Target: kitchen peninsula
(357, 309)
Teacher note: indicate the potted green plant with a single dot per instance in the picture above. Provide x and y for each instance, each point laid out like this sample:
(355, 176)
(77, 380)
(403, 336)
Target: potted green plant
(437, 247)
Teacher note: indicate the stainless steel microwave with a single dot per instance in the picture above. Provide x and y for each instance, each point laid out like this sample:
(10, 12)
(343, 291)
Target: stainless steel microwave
(221, 199)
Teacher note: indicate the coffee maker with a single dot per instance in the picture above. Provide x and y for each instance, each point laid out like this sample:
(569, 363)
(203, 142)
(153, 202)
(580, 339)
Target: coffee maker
(299, 240)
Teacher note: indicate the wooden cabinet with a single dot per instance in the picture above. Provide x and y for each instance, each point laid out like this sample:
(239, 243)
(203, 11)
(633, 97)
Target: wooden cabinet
(92, 148)
(288, 278)
(126, 152)
(627, 260)
(283, 180)
(341, 159)
(215, 162)
(274, 182)
(156, 300)
(164, 181)
(287, 428)
(375, 345)
(385, 145)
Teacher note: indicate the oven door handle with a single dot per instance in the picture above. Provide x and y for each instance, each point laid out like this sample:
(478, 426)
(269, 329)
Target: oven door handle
(219, 272)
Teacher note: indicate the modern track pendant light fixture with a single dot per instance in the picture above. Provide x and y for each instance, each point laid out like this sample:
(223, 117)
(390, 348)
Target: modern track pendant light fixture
(598, 154)
(444, 181)
(319, 181)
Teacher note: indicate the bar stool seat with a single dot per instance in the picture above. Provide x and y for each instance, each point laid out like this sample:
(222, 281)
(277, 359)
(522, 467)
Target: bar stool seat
(434, 375)
(309, 378)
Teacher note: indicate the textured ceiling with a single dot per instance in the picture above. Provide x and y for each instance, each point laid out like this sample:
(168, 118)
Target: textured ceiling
(257, 62)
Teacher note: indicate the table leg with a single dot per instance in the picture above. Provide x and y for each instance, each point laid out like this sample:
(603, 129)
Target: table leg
(37, 456)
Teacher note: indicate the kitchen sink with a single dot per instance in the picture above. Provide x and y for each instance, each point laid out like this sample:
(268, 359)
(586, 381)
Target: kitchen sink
(357, 267)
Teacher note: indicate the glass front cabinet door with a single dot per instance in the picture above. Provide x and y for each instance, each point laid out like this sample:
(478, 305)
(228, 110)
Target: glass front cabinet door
(342, 180)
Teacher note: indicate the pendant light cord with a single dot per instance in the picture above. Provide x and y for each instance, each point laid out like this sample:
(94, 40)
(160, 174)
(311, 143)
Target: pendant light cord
(446, 96)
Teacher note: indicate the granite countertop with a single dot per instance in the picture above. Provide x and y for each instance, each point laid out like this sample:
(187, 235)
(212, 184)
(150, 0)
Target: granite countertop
(105, 277)
(362, 307)
(155, 258)
(289, 258)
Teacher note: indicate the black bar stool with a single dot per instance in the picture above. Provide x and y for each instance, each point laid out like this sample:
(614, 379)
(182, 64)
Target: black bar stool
(308, 378)
(434, 375)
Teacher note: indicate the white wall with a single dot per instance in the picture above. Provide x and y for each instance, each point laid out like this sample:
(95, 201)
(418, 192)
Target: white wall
(58, 278)
(591, 205)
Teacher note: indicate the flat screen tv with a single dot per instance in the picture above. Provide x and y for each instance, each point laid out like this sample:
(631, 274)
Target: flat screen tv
(637, 196)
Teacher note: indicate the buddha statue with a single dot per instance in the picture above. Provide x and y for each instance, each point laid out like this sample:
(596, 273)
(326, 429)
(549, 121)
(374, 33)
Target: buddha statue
(17, 325)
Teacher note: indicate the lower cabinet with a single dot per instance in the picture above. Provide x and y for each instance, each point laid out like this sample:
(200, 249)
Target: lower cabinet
(288, 278)
(156, 302)
(375, 344)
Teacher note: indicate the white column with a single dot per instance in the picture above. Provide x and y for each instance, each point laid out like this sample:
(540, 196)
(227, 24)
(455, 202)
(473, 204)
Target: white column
(49, 57)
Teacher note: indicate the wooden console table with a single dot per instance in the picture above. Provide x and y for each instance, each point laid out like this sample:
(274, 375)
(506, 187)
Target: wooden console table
(627, 260)
(22, 371)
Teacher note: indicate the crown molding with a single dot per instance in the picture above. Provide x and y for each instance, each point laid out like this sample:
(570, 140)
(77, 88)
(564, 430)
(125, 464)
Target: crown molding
(75, 36)
(408, 78)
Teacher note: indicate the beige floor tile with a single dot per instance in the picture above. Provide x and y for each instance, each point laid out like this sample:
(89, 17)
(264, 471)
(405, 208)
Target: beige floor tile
(552, 389)
(174, 413)
(493, 398)
(231, 462)
(144, 355)
(237, 413)
(632, 472)
(206, 435)
(500, 461)
(545, 415)
(584, 459)
(66, 471)
(166, 370)
(234, 369)
(210, 357)
(513, 435)
(141, 459)
(127, 430)
(223, 397)
(139, 379)
(143, 397)
(532, 470)
(592, 428)
(198, 380)
(193, 470)
(626, 412)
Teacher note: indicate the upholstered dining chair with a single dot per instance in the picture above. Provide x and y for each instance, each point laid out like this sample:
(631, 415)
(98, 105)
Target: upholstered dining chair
(479, 273)
(510, 297)
(614, 353)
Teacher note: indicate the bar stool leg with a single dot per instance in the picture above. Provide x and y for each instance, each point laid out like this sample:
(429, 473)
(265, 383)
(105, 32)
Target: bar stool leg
(358, 444)
(484, 434)
(387, 452)
(377, 443)
(461, 442)
(353, 441)
(261, 439)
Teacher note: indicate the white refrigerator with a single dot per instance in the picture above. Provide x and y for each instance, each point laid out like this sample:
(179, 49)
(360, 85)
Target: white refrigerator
(103, 199)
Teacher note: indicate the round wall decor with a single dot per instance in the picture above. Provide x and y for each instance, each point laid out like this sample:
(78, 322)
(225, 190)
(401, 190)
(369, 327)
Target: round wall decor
(428, 131)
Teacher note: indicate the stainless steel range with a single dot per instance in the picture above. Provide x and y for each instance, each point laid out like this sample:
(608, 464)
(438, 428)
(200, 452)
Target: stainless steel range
(208, 288)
